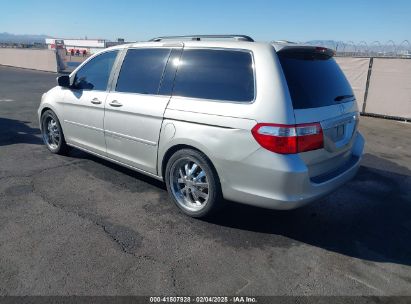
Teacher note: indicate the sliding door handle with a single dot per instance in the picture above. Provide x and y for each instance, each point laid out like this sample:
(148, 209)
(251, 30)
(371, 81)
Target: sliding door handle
(115, 103)
(96, 101)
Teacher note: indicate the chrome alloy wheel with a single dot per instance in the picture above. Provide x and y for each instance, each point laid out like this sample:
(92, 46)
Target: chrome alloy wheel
(51, 133)
(189, 184)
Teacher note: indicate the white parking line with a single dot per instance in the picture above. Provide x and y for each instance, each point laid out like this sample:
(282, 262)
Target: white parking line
(362, 282)
(6, 100)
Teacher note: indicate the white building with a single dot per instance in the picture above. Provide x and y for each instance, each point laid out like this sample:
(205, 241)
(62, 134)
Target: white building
(90, 45)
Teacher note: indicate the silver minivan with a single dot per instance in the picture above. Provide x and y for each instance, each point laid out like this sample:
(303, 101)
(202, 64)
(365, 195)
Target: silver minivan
(272, 125)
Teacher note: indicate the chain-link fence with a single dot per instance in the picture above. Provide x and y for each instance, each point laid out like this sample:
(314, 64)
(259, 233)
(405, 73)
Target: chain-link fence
(376, 48)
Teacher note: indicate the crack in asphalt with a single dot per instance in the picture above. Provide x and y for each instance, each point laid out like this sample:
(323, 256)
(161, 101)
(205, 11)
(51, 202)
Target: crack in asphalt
(127, 240)
(173, 278)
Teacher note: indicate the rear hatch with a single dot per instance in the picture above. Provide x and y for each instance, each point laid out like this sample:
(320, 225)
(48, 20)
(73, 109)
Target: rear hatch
(321, 93)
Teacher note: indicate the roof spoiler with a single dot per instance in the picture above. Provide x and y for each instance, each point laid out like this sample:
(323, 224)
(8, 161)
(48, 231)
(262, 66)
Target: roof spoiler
(322, 52)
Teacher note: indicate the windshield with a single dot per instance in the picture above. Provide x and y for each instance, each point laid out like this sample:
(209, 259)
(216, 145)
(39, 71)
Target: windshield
(314, 81)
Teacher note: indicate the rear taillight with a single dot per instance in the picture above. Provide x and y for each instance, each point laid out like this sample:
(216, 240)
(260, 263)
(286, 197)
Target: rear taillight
(288, 139)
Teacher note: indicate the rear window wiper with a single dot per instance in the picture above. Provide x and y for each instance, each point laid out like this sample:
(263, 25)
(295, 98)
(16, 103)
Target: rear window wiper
(342, 97)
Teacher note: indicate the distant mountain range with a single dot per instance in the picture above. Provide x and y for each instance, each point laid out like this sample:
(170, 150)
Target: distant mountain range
(12, 38)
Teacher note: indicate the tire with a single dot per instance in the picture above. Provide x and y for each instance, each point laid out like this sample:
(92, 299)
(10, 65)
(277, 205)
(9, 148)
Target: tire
(52, 133)
(195, 189)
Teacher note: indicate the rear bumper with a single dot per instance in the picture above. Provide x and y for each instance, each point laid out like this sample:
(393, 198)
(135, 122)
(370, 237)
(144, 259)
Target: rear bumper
(285, 184)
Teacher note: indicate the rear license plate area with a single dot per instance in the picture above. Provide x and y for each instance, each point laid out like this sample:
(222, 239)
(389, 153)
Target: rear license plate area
(338, 132)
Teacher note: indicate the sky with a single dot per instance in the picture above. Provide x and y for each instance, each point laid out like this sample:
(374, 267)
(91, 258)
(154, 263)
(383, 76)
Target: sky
(264, 20)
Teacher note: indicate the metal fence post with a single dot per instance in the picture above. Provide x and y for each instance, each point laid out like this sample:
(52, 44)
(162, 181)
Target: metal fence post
(367, 84)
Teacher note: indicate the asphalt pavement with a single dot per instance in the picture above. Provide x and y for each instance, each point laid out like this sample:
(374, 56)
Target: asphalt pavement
(79, 225)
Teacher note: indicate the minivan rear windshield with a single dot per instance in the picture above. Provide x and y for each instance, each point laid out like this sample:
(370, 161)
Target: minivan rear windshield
(314, 80)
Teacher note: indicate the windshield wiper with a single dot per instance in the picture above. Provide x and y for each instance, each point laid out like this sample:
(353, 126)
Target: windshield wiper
(342, 97)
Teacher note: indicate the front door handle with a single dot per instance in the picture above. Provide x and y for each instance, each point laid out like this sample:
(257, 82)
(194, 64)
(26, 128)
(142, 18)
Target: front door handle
(96, 101)
(115, 103)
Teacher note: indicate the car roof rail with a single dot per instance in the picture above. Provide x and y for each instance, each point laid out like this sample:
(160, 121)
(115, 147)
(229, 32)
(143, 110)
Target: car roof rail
(201, 37)
(284, 42)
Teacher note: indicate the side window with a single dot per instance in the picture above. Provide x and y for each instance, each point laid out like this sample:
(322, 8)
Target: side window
(142, 70)
(94, 75)
(215, 74)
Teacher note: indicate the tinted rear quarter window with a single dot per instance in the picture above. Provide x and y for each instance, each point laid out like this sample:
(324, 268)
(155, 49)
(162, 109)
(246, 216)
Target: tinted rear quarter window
(142, 70)
(215, 74)
(314, 81)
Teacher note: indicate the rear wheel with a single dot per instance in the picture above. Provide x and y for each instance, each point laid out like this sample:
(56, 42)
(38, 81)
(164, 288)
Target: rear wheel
(193, 183)
(52, 133)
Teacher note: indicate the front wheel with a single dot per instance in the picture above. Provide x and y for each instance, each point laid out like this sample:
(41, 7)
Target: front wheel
(193, 183)
(52, 133)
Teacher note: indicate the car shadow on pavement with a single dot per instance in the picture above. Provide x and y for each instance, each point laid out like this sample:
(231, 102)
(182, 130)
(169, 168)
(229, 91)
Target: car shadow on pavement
(369, 218)
(14, 131)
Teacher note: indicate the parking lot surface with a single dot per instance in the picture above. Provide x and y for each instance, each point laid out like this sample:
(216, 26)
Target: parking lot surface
(78, 225)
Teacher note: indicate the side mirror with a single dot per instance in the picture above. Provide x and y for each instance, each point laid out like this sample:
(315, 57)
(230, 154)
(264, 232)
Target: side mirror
(63, 81)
